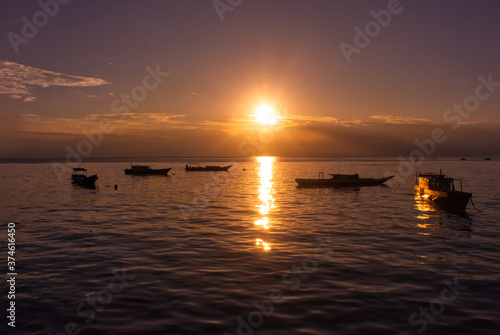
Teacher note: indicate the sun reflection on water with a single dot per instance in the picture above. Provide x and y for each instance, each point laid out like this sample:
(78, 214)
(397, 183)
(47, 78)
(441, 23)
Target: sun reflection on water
(265, 196)
(265, 245)
(266, 184)
(263, 222)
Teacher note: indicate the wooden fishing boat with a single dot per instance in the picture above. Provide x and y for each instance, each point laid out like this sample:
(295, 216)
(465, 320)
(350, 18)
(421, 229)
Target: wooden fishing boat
(190, 167)
(441, 190)
(145, 170)
(79, 176)
(341, 180)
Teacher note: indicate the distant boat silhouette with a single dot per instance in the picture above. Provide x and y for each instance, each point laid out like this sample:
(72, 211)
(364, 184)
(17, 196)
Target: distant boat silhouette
(487, 159)
(145, 170)
(80, 177)
(189, 167)
(463, 159)
(341, 180)
(441, 191)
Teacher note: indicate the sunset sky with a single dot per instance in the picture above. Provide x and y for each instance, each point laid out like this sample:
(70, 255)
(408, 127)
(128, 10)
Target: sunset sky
(200, 70)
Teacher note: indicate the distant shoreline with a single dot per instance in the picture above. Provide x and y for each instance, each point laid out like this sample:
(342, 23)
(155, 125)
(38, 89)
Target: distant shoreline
(234, 159)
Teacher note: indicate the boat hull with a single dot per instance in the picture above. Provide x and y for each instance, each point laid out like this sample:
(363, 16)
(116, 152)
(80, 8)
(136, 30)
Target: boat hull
(150, 172)
(341, 183)
(453, 200)
(208, 168)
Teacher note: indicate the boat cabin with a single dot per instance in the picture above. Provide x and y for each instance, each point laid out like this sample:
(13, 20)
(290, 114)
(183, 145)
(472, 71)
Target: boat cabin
(435, 182)
(140, 167)
(80, 172)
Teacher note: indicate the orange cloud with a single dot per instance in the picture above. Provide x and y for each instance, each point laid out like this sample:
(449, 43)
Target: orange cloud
(394, 119)
(18, 80)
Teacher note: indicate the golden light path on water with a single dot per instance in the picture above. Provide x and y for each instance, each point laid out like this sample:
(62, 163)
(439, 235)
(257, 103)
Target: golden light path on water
(266, 200)
(426, 210)
(424, 206)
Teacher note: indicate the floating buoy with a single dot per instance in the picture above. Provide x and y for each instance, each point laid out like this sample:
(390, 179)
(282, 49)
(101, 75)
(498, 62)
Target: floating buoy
(116, 187)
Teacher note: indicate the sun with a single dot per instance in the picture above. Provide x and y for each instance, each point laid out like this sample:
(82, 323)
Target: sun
(265, 115)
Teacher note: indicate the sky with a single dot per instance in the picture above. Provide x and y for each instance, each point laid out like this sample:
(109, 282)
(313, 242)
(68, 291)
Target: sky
(186, 78)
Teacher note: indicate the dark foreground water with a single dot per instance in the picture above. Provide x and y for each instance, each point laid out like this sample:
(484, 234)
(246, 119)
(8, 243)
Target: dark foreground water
(246, 252)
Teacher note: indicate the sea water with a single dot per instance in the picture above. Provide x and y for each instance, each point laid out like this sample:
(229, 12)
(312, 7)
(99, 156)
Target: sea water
(247, 252)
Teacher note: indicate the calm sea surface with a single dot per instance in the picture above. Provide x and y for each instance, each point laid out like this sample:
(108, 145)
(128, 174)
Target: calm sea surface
(246, 252)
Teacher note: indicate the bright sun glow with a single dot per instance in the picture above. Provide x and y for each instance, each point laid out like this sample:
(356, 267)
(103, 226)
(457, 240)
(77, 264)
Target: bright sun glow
(265, 115)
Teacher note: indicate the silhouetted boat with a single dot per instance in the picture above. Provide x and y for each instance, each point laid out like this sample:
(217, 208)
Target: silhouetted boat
(487, 159)
(79, 176)
(341, 180)
(207, 168)
(441, 191)
(145, 170)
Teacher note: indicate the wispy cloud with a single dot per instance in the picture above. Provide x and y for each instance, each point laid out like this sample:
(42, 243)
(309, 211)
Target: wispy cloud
(298, 120)
(307, 118)
(394, 119)
(125, 123)
(18, 80)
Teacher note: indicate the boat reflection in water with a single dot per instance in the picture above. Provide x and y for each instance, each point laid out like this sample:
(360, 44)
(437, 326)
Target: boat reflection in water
(434, 217)
(427, 209)
(266, 200)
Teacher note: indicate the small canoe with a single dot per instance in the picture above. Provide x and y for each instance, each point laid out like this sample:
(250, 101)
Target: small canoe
(207, 168)
(145, 170)
(341, 180)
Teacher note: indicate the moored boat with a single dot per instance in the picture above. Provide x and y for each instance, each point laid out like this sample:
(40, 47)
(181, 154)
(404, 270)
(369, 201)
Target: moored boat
(341, 180)
(145, 170)
(441, 190)
(190, 167)
(79, 176)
